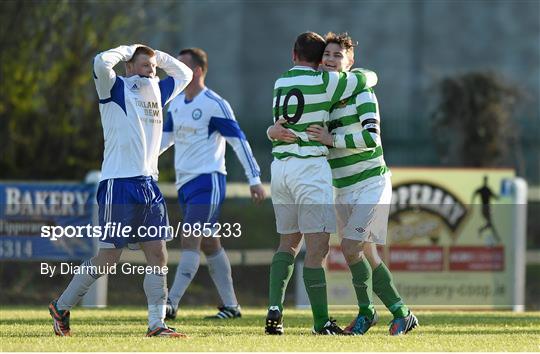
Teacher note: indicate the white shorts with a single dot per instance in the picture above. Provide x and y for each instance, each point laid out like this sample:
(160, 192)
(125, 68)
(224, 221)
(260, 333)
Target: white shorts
(362, 214)
(302, 195)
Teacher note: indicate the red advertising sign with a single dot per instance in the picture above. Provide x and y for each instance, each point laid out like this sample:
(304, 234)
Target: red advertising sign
(416, 258)
(336, 261)
(467, 258)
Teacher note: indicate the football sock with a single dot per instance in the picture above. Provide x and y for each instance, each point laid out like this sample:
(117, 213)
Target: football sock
(78, 286)
(280, 273)
(155, 288)
(384, 287)
(185, 272)
(315, 282)
(220, 271)
(361, 279)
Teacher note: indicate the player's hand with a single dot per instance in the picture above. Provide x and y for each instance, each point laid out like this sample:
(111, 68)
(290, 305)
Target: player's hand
(257, 193)
(320, 134)
(278, 132)
(134, 47)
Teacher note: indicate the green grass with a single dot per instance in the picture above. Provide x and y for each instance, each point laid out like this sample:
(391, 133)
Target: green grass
(123, 329)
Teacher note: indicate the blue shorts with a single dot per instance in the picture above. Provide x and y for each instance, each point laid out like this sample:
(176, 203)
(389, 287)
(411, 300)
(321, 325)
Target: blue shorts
(135, 202)
(201, 198)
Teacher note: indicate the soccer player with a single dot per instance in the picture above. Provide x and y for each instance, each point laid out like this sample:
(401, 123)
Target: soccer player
(301, 178)
(363, 193)
(199, 122)
(132, 120)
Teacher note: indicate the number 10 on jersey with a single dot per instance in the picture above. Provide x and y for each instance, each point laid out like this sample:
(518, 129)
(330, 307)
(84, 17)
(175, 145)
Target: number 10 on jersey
(299, 105)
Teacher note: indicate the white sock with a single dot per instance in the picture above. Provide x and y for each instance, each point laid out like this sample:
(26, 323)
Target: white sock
(185, 272)
(155, 288)
(220, 271)
(78, 287)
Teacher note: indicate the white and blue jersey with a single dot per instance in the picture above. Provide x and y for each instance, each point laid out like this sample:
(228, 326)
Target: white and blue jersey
(199, 129)
(131, 112)
(132, 120)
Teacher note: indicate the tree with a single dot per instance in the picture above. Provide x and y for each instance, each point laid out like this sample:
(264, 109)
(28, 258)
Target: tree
(50, 126)
(473, 122)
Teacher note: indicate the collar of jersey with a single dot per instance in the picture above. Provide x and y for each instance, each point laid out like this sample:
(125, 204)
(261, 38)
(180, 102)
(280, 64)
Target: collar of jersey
(186, 101)
(302, 67)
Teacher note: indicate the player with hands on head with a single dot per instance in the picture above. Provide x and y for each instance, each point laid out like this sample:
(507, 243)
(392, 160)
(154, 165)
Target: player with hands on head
(128, 195)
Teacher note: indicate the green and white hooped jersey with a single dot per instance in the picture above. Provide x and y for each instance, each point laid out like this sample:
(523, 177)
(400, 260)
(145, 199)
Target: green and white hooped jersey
(357, 154)
(304, 96)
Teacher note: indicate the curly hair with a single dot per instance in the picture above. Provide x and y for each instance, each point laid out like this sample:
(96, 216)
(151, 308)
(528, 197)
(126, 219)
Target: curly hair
(342, 39)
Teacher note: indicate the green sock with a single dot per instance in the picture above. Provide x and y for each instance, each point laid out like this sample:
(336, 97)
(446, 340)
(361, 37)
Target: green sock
(384, 287)
(315, 282)
(280, 272)
(361, 279)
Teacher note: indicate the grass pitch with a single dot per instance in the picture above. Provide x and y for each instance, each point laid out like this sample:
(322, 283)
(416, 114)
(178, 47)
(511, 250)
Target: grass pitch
(123, 329)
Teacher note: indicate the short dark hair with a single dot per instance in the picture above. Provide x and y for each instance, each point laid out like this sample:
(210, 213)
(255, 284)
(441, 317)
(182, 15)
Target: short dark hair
(142, 50)
(342, 39)
(199, 56)
(309, 46)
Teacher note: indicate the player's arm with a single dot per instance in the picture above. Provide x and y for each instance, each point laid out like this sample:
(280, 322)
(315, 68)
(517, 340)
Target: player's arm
(369, 137)
(342, 85)
(367, 109)
(280, 133)
(179, 76)
(473, 197)
(228, 127)
(493, 195)
(167, 138)
(230, 130)
(235, 137)
(104, 74)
